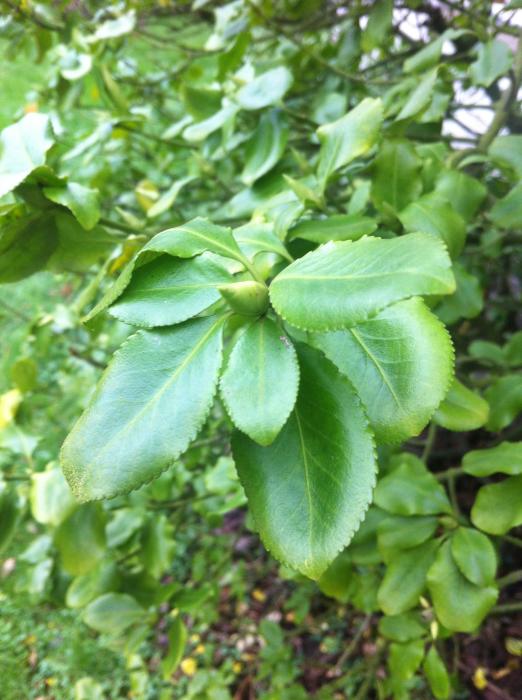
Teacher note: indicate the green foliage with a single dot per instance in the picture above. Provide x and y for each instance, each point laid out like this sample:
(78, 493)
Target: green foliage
(276, 229)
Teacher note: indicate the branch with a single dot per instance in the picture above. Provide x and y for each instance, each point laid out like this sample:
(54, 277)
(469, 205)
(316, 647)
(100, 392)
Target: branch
(506, 100)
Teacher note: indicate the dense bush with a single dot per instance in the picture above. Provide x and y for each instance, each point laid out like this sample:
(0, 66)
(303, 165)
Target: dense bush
(291, 233)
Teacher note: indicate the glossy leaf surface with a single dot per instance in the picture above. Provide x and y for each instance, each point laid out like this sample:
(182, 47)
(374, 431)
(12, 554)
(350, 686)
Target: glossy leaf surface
(310, 488)
(266, 89)
(150, 404)
(23, 147)
(349, 137)
(343, 283)
(266, 147)
(169, 290)
(259, 385)
(400, 363)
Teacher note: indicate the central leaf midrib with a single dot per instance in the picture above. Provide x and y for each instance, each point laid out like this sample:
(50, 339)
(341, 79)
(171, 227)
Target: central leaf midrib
(157, 395)
(308, 490)
(231, 252)
(378, 366)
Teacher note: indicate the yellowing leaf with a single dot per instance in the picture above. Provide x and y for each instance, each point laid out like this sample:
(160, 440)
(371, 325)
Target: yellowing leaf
(9, 403)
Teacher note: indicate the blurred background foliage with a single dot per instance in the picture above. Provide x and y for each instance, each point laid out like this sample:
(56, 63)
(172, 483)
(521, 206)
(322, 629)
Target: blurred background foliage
(139, 115)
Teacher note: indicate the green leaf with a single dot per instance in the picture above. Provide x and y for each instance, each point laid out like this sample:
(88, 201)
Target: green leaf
(405, 578)
(505, 458)
(256, 238)
(177, 636)
(167, 199)
(410, 489)
(468, 300)
(119, 443)
(88, 689)
(50, 497)
(459, 605)
(306, 190)
(402, 628)
(80, 540)
(157, 546)
(193, 238)
(487, 352)
(379, 25)
(507, 212)
(200, 130)
(259, 385)
(22, 149)
(429, 55)
(462, 409)
(349, 137)
(404, 660)
(309, 490)
(474, 555)
(513, 350)
(433, 214)
(266, 89)
(113, 28)
(81, 201)
(404, 532)
(498, 507)
(463, 192)
(168, 291)
(186, 241)
(24, 374)
(200, 102)
(9, 516)
(494, 58)
(437, 674)
(341, 227)
(266, 146)
(25, 246)
(401, 364)
(89, 586)
(113, 613)
(396, 180)
(505, 401)
(507, 152)
(363, 277)
(125, 522)
(420, 98)
(338, 577)
(78, 250)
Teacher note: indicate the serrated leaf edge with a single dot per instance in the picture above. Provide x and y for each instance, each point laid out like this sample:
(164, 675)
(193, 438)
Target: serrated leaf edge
(124, 492)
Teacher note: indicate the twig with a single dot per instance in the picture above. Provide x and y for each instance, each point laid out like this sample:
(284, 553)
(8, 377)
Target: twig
(430, 441)
(507, 98)
(510, 578)
(350, 649)
(506, 608)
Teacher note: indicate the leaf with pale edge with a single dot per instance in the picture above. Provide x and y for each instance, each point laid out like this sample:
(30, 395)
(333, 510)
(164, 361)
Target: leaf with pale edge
(186, 241)
(343, 283)
(309, 490)
(401, 364)
(169, 290)
(349, 137)
(259, 385)
(150, 404)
